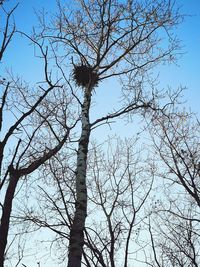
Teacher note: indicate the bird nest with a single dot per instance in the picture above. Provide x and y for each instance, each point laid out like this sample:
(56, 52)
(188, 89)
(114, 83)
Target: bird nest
(85, 76)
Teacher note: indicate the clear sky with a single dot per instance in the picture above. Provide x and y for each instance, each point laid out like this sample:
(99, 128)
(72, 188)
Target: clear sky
(185, 73)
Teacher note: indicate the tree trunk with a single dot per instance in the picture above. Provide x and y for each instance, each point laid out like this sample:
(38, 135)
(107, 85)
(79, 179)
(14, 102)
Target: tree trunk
(77, 231)
(5, 218)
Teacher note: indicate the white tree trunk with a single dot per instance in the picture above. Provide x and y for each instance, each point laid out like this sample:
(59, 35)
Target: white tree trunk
(77, 231)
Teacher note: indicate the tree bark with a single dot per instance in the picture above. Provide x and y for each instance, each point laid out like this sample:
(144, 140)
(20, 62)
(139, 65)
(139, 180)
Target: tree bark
(77, 231)
(7, 208)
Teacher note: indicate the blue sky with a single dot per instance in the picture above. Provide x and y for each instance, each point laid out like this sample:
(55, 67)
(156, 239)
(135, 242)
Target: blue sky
(187, 73)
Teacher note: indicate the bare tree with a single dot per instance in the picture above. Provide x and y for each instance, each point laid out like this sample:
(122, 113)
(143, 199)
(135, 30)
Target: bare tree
(30, 122)
(106, 39)
(174, 227)
(178, 146)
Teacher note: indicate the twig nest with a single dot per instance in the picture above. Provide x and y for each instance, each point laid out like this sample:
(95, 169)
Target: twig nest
(85, 76)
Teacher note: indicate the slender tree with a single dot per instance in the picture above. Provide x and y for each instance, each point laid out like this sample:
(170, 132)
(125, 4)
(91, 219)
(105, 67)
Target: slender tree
(106, 39)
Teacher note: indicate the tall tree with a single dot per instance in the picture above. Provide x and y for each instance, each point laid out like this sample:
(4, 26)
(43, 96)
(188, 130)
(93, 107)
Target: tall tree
(104, 39)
